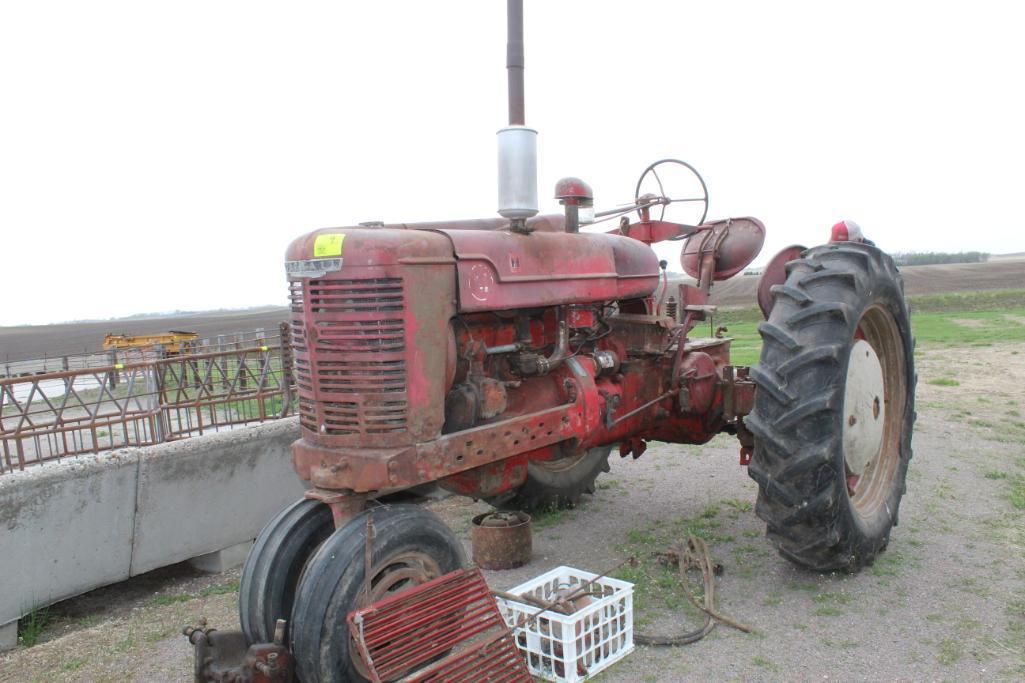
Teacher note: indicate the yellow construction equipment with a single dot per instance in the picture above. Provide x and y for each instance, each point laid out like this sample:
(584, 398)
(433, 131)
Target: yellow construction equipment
(175, 341)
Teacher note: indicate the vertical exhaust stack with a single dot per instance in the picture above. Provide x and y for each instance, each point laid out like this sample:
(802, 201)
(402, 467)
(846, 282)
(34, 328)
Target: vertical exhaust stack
(517, 144)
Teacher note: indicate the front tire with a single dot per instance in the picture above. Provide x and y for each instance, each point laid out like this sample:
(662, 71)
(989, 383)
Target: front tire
(834, 409)
(272, 569)
(410, 546)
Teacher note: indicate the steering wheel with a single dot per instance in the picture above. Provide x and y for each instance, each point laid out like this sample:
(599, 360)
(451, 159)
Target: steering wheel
(671, 167)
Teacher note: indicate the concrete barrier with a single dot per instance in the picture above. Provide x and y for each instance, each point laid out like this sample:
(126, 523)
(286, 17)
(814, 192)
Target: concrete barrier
(94, 520)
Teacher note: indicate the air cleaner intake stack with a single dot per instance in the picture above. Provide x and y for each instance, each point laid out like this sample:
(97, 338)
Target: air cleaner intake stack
(517, 144)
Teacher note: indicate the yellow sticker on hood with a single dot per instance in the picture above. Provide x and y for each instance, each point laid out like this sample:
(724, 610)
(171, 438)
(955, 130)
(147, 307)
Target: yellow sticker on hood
(328, 245)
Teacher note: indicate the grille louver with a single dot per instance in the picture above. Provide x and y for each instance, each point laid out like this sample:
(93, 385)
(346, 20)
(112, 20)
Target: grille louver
(350, 368)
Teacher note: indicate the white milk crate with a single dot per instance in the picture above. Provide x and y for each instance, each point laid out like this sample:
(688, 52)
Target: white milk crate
(573, 647)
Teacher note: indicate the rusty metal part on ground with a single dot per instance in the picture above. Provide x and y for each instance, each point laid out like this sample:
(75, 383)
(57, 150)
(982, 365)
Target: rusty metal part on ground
(501, 540)
(448, 629)
(225, 657)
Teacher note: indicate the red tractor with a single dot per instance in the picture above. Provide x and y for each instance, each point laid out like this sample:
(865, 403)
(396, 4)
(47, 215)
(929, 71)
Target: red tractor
(505, 358)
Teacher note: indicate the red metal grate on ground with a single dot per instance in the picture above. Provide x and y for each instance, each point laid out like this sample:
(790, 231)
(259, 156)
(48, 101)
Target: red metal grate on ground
(448, 629)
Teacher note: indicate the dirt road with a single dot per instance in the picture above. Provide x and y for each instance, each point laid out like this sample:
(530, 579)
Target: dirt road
(946, 601)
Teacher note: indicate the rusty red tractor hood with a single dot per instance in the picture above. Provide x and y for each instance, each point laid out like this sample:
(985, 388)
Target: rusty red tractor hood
(501, 270)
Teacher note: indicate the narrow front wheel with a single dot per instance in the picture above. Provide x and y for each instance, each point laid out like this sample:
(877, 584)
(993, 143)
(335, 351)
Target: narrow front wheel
(410, 546)
(272, 569)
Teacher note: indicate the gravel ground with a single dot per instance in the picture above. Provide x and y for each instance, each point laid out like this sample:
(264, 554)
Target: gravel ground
(946, 601)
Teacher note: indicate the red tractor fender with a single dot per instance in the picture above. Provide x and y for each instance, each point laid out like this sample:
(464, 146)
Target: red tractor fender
(776, 274)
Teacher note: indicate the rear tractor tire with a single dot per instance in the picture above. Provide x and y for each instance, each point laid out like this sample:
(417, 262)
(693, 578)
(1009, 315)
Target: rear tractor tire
(560, 483)
(834, 408)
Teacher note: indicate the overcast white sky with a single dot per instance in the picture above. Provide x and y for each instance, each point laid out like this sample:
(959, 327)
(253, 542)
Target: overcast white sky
(160, 156)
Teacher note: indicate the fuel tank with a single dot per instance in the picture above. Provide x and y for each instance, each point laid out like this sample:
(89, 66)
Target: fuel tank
(505, 270)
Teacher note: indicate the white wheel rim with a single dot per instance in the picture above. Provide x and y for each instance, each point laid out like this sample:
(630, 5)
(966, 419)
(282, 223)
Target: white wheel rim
(864, 409)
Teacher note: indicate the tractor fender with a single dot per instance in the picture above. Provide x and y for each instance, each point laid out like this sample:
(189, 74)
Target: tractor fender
(775, 273)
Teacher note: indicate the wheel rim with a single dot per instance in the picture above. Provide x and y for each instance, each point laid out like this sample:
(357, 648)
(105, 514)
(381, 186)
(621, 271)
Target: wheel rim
(874, 398)
(397, 573)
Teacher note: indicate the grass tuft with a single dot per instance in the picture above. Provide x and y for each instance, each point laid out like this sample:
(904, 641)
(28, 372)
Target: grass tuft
(230, 587)
(32, 625)
(949, 651)
(1017, 493)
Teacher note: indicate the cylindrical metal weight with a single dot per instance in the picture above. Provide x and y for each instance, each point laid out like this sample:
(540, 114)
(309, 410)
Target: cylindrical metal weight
(501, 540)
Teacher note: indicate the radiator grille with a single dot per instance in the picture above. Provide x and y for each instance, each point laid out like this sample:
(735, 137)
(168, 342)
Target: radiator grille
(350, 368)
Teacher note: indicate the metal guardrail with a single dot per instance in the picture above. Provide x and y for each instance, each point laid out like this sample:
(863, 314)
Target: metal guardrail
(49, 416)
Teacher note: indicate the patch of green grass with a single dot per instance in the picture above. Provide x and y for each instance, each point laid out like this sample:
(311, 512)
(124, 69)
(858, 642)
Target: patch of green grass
(73, 664)
(942, 328)
(606, 484)
(32, 625)
(944, 382)
(161, 600)
(828, 611)
(995, 474)
(705, 528)
(758, 660)
(546, 517)
(156, 636)
(738, 504)
(843, 644)
(638, 537)
(746, 549)
(230, 587)
(932, 322)
(888, 564)
(657, 584)
(835, 598)
(1017, 493)
(123, 645)
(949, 651)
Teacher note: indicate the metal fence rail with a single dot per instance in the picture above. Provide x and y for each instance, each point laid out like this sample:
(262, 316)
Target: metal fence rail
(54, 415)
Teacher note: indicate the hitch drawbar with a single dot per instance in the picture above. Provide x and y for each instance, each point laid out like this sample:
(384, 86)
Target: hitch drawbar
(223, 656)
